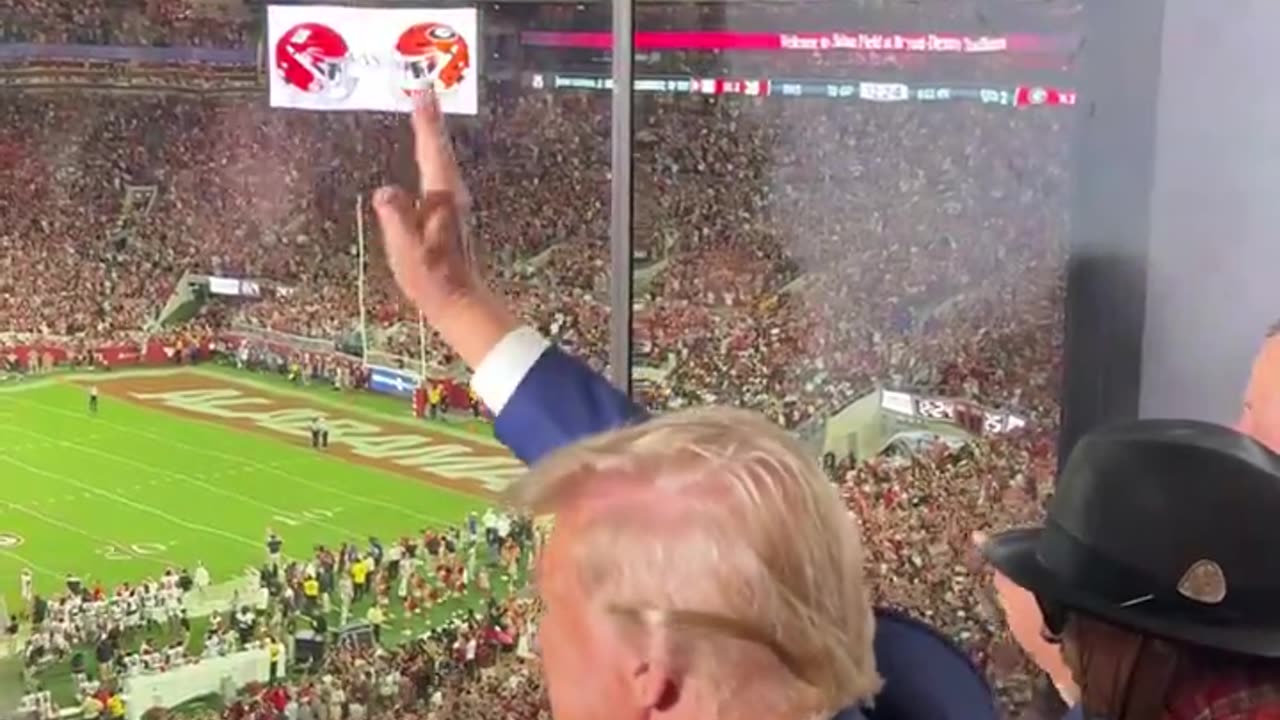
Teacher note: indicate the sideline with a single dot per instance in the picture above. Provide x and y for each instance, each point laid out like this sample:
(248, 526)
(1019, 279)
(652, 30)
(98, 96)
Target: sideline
(245, 377)
(22, 384)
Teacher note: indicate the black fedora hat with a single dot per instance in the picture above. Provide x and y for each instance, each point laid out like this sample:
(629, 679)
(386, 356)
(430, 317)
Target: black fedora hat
(1168, 527)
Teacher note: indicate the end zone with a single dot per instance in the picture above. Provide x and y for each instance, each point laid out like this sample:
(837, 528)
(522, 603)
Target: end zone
(474, 468)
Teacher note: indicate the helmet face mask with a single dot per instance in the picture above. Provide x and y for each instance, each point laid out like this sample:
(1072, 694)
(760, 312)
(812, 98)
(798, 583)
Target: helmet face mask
(331, 78)
(431, 55)
(336, 78)
(314, 60)
(335, 70)
(418, 73)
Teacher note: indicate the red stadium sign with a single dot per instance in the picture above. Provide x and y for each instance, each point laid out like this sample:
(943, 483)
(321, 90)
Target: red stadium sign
(151, 352)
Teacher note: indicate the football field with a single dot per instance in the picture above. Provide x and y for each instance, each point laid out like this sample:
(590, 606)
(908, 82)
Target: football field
(188, 465)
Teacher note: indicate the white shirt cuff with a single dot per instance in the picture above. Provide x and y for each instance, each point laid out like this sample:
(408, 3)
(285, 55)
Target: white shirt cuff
(497, 376)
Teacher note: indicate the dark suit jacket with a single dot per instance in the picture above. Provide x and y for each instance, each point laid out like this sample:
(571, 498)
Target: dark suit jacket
(561, 400)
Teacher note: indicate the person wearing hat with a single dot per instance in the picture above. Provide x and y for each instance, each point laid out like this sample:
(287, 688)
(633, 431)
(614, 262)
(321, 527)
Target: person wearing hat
(1259, 418)
(1155, 573)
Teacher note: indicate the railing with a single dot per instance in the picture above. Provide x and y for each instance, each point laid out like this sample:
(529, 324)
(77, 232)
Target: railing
(17, 337)
(24, 52)
(299, 342)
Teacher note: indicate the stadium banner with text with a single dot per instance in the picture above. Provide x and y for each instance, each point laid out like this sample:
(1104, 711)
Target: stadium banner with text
(32, 353)
(32, 52)
(392, 382)
(330, 58)
(235, 287)
(857, 40)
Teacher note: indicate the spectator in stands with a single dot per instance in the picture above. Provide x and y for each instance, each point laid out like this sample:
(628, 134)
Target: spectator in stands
(1260, 419)
(1022, 616)
(1148, 573)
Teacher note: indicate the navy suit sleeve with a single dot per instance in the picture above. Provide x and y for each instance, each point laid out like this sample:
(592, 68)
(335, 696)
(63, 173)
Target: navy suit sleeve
(925, 674)
(559, 401)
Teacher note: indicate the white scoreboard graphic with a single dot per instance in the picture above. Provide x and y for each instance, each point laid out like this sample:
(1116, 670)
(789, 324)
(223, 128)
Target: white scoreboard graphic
(992, 422)
(329, 58)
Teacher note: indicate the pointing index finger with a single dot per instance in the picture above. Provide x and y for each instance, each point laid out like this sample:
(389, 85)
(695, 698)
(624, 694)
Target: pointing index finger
(437, 170)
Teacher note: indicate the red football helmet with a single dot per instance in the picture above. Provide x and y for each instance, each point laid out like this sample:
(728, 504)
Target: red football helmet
(316, 60)
(431, 54)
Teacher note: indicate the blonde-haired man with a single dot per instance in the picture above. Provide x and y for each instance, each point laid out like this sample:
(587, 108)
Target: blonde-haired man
(699, 568)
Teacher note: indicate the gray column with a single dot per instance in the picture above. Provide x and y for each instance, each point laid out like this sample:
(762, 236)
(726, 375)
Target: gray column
(1213, 274)
(620, 205)
(1119, 77)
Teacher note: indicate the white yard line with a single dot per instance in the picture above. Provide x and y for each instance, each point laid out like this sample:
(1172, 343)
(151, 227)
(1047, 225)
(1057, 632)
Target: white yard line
(193, 480)
(136, 505)
(57, 575)
(122, 547)
(429, 519)
(421, 517)
(25, 383)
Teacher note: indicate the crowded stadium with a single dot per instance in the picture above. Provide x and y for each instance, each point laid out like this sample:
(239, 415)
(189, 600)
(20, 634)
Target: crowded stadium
(188, 228)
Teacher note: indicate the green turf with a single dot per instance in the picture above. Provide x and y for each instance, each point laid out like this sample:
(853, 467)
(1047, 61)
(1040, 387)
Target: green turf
(58, 680)
(121, 496)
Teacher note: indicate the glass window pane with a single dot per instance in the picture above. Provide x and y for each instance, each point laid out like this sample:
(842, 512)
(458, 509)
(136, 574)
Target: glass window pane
(852, 218)
(189, 182)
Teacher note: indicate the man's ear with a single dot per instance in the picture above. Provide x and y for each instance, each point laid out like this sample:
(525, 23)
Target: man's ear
(654, 686)
(655, 677)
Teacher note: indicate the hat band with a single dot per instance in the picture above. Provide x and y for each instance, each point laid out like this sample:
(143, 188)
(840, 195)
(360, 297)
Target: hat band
(1087, 570)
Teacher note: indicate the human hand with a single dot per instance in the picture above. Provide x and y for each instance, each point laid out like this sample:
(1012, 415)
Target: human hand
(424, 236)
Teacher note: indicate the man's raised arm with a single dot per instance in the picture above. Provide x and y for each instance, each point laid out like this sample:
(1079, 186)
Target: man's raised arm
(543, 398)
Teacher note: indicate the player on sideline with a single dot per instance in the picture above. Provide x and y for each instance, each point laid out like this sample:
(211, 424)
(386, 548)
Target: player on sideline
(93, 399)
(27, 587)
(274, 545)
(435, 399)
(319, 433)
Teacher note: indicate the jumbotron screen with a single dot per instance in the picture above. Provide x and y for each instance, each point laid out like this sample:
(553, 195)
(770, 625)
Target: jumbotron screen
(845, 89)
(345, 58)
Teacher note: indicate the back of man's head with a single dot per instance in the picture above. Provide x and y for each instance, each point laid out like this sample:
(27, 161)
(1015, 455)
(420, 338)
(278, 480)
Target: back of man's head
(701, 566)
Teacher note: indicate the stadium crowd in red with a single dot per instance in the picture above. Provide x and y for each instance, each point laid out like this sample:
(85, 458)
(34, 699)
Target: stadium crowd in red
(793, 255)
(105, 22)
(361, 683)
